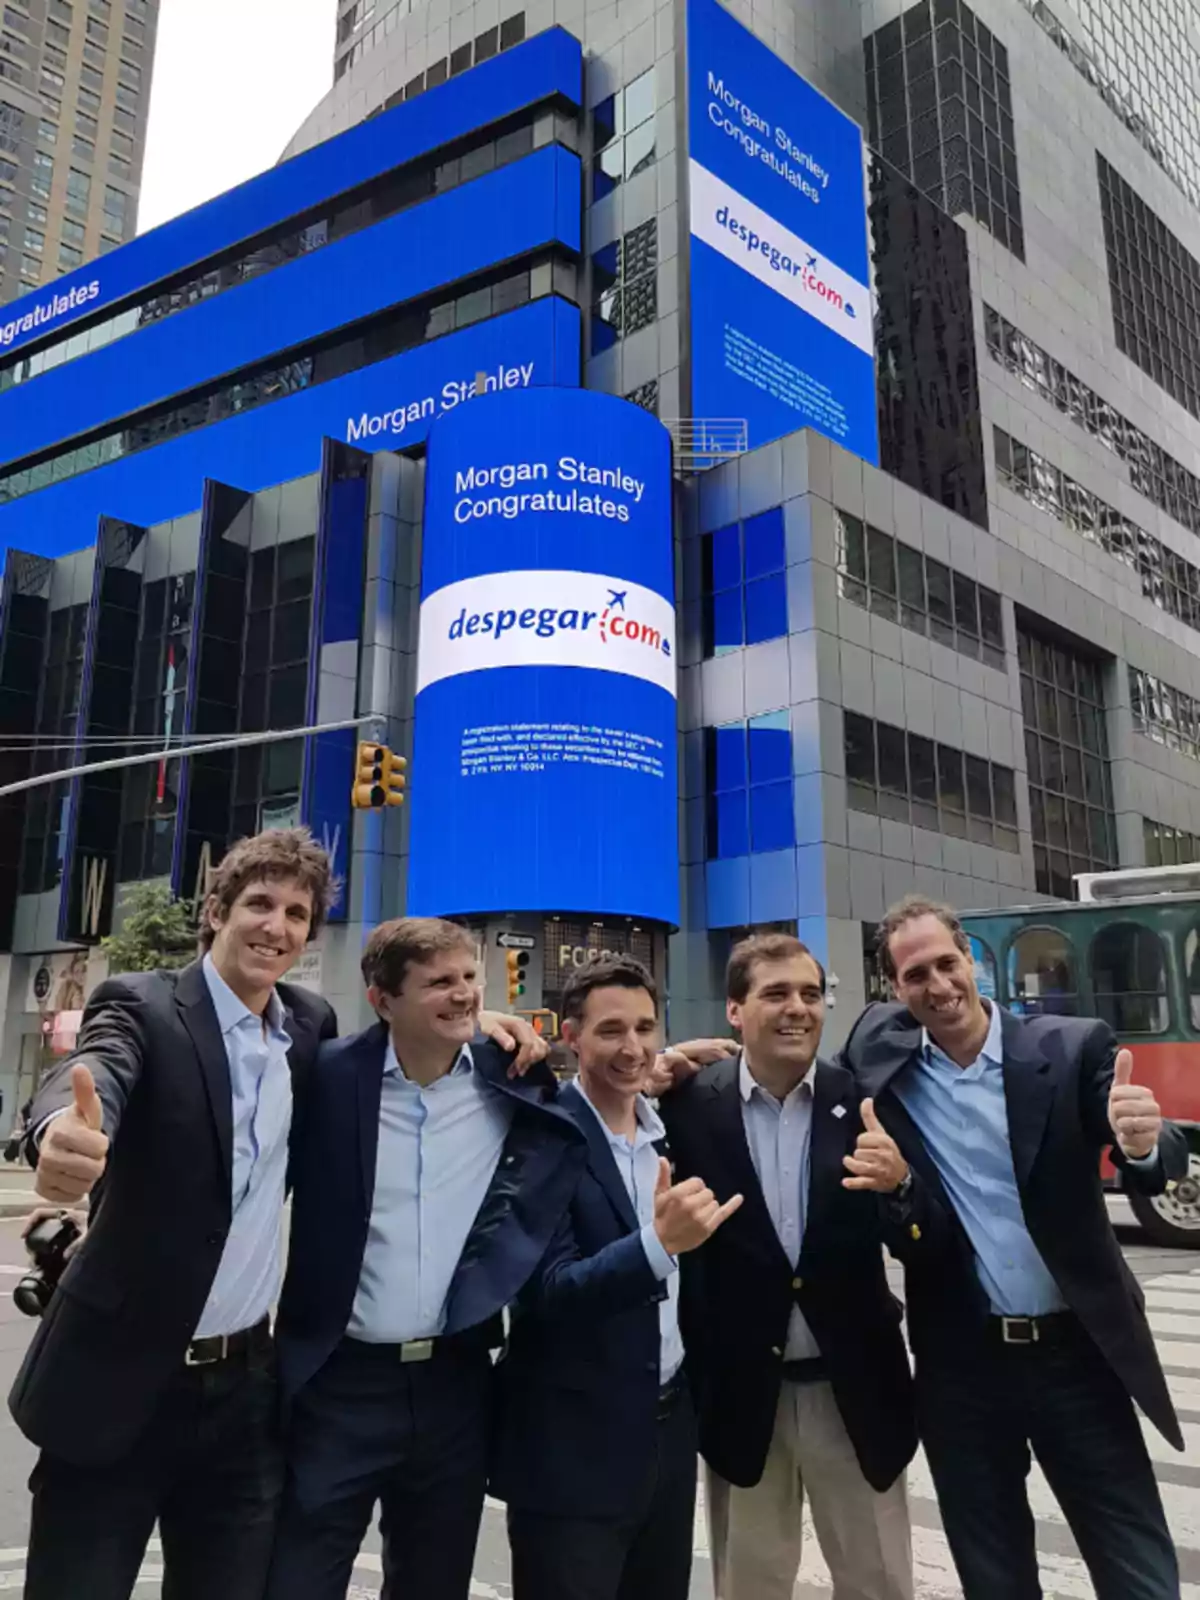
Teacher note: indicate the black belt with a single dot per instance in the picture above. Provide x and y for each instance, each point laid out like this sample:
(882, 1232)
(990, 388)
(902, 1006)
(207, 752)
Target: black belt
(473, 1342)
(810, 1371)
(228, 1346)
(1059, 1328)
(669, 1394)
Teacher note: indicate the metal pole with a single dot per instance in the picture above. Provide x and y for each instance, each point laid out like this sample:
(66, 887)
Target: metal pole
(176, 752)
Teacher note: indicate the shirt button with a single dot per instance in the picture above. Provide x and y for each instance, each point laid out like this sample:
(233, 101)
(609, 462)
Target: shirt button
(214, 1238)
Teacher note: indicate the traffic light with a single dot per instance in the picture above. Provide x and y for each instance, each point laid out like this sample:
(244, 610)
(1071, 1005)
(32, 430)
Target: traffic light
(515, 962)
(368, 791)
(394, 780)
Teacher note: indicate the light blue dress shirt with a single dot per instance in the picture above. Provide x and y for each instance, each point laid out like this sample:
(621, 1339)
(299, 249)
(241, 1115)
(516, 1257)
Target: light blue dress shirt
(779, 1134)
(439, 1148)
(637, 1162)
(251, 1267)
(962, 1115)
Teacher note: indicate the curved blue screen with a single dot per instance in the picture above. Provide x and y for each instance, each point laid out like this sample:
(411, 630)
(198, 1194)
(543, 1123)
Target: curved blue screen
(544, 760)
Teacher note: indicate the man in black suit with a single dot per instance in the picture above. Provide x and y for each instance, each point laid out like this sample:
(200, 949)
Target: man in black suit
(429, 1182)
(149, 1384)
(793, 1338)
(596, 1453)
(1028, 1328)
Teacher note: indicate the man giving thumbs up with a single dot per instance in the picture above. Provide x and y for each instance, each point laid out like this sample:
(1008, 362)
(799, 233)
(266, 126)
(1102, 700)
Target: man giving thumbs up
(1133, 1112)
(74, 1148)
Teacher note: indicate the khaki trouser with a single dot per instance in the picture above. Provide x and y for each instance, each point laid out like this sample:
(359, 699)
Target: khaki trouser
(755, 1535)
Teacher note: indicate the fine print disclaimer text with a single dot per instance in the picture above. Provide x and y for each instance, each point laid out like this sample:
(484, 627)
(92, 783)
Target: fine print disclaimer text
(766, 370)
(537, 746)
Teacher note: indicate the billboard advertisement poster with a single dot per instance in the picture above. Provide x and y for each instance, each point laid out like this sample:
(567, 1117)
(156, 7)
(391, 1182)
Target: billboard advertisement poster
(544, 760)
(782, 326)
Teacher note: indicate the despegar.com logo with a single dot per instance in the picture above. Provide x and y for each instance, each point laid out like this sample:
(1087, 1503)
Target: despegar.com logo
(807, 271)
(550, 619)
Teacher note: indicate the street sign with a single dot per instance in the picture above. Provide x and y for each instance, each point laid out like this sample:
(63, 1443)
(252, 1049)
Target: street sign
(516, 941)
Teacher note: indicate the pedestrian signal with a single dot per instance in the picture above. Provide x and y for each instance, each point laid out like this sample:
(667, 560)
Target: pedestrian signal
(515, 962)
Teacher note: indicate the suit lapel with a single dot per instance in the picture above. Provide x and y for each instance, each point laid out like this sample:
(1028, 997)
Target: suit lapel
(372, 1055)
(600, 1156)
(833, 1092)
(200, 1019)
(730, 1130)
(1028, 1095)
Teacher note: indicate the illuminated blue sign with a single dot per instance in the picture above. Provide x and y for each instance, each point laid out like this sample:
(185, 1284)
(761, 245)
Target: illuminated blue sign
(781, 315)
(388, 406)
(544, 772)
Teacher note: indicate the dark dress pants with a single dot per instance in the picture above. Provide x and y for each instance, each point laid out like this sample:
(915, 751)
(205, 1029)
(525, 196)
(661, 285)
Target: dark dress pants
(983, 1411)
(644, 1555)
(208, 1469)
(410, 1437)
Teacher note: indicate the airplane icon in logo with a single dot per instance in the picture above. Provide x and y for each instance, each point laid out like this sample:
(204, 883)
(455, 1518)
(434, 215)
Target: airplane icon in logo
(616, 599)
(812, 261)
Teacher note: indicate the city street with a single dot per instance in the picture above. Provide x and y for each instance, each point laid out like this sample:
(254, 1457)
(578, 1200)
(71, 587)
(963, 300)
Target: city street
(1172, 1283)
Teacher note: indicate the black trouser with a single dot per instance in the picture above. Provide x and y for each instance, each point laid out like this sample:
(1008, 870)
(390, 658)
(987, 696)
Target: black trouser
(645, 1555)
(209, 1469)
(983, 1410)
(411, 1437)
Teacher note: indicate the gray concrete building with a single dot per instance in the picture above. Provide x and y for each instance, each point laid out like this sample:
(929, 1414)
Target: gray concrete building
(991, 666)
(74, 95)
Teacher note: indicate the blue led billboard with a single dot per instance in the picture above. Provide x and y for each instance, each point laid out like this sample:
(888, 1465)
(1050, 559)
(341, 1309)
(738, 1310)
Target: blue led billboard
(388, 406)
(499, 217)
(781, 314)
(544, 762)
(549, 65)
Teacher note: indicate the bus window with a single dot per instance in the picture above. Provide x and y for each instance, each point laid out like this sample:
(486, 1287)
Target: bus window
(985, 969)
(1041, 974)
(1129, 976)
(1191, 968)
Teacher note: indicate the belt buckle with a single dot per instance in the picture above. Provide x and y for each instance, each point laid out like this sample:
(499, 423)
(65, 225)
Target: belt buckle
(192, 1360)
(416, 1350)
(1019, 1330)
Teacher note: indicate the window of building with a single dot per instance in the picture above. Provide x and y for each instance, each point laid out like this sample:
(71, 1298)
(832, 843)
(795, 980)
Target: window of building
(1042, 976)
(124, 121)
(120, 167)
(892, 773)
(623, 135)
(35, 241)
(1155, 288)
(12, 120)
(91, 79)
(135, 33)
(36, 214)
(646, 396)
(625, 286)
(74, 232)
(79, 191)
(1066, 755)
(895, 581)
(127, 97)
(97, 30)
(31, 269)
(744, 583)
(88, 126)
(53, 79)
(54, 57)
(15, 19)
(1129, 979)
(44, 844)
(749, 786)
(8, 171)
(83, 148)
(57, 34)
(89, 103)
(94, 55)
(1152, 471)
(1169, 847)
(1165, 714)
(63, 10)
(69, 258)
(130, 73)
(939, 106)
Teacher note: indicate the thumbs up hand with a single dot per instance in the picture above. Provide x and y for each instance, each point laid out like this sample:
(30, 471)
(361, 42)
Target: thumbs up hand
(74, 1148)
(1133, 1112)
(876, 1163)
(687, 1213)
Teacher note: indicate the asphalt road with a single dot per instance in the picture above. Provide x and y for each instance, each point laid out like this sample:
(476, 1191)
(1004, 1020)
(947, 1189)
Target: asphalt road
(935, 1574)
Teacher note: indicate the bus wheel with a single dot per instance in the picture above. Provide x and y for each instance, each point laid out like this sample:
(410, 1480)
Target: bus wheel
(1172, 1218)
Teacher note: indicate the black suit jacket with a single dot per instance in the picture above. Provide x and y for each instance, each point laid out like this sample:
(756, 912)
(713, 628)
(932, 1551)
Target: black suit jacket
(116, 1332)
(579, 1382)
(1057, 1076)
(739, 1288)
(333, 1173)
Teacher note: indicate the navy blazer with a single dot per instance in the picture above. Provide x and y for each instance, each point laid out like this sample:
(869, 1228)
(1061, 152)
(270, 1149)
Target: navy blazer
(333, 1171)
(1057, 1075)
(579, 1382)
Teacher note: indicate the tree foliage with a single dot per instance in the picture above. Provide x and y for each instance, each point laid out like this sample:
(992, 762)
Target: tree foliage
(157, 931)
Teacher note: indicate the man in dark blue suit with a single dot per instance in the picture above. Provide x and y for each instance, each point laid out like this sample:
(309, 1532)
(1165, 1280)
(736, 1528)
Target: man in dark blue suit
(596, 1449)
(402, 1260)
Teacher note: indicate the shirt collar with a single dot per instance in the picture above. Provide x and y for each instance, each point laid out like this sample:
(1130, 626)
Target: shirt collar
(993, 1045)
(464, 1064)
(650, 1125)
(232, 1011)
(748, 1083)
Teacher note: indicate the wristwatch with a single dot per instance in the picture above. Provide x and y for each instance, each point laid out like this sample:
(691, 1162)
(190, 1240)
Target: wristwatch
(904, 1189)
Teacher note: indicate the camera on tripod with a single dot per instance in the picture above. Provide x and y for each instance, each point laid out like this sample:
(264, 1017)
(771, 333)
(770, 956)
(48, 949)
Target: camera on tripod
(48, 1244)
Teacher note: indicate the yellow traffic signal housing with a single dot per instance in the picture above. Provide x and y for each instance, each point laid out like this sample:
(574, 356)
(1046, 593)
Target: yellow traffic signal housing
(394, 781)
(368, 791)
(515, 962)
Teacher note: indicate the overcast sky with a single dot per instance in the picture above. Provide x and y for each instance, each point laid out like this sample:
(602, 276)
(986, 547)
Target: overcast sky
(233, 80)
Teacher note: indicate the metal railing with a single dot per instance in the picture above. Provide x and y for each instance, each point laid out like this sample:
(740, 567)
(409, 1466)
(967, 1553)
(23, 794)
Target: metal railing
(702, 442)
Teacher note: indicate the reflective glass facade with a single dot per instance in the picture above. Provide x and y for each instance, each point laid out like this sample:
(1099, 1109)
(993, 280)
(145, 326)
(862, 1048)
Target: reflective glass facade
(745, 584)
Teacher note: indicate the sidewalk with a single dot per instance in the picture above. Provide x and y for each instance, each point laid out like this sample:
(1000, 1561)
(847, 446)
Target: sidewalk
(17, 1198)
